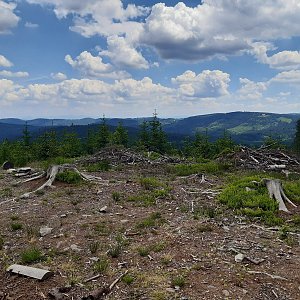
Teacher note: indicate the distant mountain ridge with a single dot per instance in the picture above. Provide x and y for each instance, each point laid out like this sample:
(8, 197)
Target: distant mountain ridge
(244, 127)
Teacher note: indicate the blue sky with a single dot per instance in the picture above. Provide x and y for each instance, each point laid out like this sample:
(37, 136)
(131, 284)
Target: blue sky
(74, 58)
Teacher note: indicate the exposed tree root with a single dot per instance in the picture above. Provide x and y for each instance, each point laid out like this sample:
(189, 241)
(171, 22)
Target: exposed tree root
(51, 176)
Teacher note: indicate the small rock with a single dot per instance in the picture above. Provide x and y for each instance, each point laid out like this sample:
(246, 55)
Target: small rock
(177, 288)
(225, 293)
(239, 257)
(95, 259)
(63, 216)
(103, 209)
(45, 230)
(226, 228)
(124, 221)
(75, 248)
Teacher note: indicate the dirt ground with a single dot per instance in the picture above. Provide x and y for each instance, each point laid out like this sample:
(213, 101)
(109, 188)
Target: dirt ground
(181, 247)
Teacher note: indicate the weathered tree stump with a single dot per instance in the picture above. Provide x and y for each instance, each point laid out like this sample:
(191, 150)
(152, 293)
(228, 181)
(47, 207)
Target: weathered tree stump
(276, 192)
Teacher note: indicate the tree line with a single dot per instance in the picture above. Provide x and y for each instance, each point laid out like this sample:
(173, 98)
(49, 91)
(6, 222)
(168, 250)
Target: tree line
(151, 138)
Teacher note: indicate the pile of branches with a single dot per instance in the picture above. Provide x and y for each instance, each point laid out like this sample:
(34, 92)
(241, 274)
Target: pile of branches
(262, 159)
(116, 156)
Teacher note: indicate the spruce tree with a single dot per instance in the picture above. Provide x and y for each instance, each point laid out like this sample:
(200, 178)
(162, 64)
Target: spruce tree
(103, 135)
(297, 138)
(70, 145)
(144, 139)
(158, 139)
(120, 136)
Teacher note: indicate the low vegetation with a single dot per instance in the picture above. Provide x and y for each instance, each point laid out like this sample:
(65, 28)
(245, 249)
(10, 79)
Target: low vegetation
(69, 176)
(31, 255)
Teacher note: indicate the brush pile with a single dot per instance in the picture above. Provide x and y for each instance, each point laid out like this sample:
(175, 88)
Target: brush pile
(262, 159)
(116, 156)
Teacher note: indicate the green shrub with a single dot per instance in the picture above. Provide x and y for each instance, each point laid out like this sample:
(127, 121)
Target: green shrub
(31, 255)
(292, 190)
(68, 176)
(116, 196)
(16, 226)
(150, 183)
(254, 203)
(103, 165)
(128, 279)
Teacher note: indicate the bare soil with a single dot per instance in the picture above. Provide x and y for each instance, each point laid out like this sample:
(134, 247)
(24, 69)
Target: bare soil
(193, 250)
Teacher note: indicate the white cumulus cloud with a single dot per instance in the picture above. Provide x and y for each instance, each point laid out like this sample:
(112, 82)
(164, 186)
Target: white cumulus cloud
(4, 62)
(5, 73)
(59, 76)
(123, 54)
(93, 66)
(284, 60)
(218, 27)
(8, 19)
(207, 84)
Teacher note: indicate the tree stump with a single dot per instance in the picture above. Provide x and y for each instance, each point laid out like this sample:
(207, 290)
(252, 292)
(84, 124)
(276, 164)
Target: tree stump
(276, 192)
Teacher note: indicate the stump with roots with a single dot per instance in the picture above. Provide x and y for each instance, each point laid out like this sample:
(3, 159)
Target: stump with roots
(51, 176)
(276, 192)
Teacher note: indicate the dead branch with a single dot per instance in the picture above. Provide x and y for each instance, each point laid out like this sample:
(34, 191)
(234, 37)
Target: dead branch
(270, 275)
(98, 294)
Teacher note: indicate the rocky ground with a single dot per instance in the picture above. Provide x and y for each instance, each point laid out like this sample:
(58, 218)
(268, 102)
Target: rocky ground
(184, 245)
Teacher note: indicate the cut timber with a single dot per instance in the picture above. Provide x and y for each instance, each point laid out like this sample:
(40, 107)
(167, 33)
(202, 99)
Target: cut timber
(276, 192)
(36, 273)
(51, 176)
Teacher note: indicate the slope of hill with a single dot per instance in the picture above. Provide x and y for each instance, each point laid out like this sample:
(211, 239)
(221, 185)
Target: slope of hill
(244, 127)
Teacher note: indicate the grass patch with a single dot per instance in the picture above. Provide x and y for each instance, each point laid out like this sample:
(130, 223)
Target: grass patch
(128, 279)
(178, 281)
(68, 176)
(149, 198)
(101, 265)
(150, 183)
(143, 251)
(210, 167)
(16, 226)
(31, 255)
(254, 203)
(292, 190)
(6, 192)
(117, 196)
(1, 242)
(102, 228)
(204, 211)
(115, 251)
(103, 165)
(153, 221)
